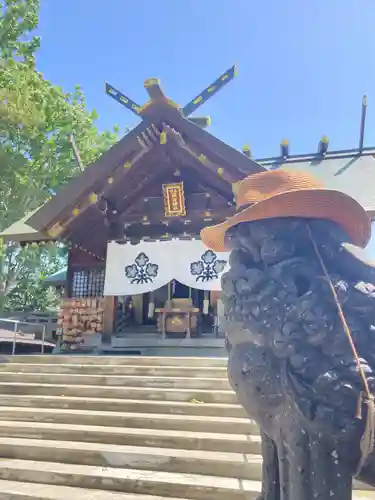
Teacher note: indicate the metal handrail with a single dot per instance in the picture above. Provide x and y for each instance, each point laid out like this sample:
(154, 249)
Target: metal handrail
(16, 323)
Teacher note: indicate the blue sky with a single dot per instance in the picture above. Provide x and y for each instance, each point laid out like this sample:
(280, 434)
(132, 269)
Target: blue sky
(302, 66)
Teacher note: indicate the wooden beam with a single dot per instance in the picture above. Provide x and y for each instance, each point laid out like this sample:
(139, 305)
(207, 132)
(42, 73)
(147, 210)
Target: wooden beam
(195, 202)
(80, 234)
(93, 230)
(213, 180)
(217, 163)
(78, 186)
(229, 175)
(192, 216)
(219, 167)
(199, 202)
(173, 230)
(122, 99)
(150, 166)
(152, 86)
(79, 231)
(147, 181)
(201, 121)
(87, 215)
(89, 246)
(117, 175)
(209, 91)
(237, 159)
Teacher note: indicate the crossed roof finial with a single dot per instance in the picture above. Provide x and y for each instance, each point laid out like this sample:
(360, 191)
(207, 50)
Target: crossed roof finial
(152, 86)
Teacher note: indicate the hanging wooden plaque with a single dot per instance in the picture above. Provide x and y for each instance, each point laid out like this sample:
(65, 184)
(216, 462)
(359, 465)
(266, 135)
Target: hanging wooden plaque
(174, 200)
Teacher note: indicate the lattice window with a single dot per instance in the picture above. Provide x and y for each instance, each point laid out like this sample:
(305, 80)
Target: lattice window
(88, 283)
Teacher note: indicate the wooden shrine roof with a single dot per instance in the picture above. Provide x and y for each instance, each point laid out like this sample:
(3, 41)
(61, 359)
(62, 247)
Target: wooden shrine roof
(22, 231)
(129, 148)
(164, 138)
(121, 192)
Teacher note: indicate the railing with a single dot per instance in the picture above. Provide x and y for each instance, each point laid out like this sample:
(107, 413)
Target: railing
(38, 319)
(16, 335)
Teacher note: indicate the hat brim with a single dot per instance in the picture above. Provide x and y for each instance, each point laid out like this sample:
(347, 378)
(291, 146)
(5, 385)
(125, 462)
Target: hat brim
(305, 203)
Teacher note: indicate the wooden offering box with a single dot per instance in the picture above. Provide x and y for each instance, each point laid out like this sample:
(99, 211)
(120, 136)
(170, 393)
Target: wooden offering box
(178, 316)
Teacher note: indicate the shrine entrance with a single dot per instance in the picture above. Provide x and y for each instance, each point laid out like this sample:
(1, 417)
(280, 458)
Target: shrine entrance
(169, 288)
(162, 183)
(139, 314)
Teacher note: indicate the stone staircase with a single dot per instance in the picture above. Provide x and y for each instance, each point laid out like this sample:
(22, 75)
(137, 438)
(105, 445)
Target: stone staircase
(115, 428)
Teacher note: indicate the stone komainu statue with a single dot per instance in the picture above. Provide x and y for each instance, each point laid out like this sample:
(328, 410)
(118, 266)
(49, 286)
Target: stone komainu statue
(290, 359)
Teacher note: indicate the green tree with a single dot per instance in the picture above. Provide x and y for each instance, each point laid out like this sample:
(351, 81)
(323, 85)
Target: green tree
(19, 18)
(36, 157)
(37, 119)
(36, 122)
(23, 271)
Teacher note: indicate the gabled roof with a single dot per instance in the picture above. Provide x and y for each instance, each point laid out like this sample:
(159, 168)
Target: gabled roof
(22, 231)
(119, 172)
(68, 195)
(96, 174)
(219, 164)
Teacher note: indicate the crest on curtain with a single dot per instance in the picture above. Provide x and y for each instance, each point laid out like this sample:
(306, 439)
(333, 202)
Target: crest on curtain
(142, 271)
(147, 266)
(208, 268)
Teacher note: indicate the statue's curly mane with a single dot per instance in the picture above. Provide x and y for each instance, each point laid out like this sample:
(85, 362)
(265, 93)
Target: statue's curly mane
(290, 361)
(277, 291)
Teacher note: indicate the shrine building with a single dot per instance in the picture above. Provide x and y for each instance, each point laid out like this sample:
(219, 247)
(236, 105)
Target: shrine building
(138, 275)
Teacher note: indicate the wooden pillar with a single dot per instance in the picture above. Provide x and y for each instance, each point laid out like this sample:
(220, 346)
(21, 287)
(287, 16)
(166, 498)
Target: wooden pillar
(138, 308)
(108, 318)
(69, 276)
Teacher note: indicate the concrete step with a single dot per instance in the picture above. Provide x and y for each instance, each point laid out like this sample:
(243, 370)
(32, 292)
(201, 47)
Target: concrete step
(221, 464)
(358, 486)
(194, 407)
(117, 380)
(26, 478)
(192, 423)
(363, 495)
(139, 370)
(15, 490)
(166, 484)
(236, 443)
(149, 393)
(120, 360)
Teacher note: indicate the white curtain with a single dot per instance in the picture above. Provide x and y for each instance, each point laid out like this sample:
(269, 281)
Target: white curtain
(135, 269)
(197, 266)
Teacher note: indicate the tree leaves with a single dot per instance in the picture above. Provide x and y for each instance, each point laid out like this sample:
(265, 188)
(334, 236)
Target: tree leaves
(18, 18)
(22, 270)
(36, 122)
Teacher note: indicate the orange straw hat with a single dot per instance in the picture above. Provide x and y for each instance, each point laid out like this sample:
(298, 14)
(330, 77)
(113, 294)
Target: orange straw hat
(287, 193)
